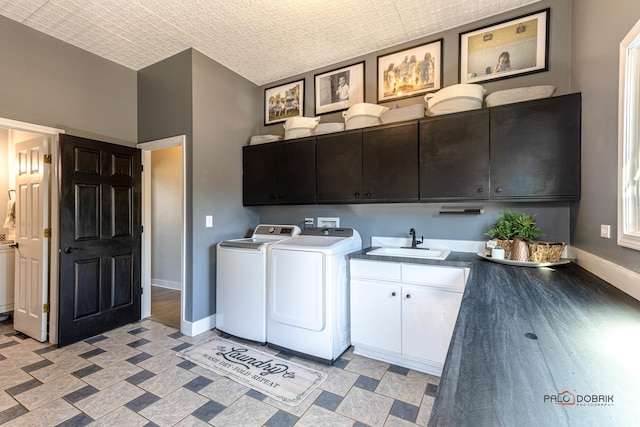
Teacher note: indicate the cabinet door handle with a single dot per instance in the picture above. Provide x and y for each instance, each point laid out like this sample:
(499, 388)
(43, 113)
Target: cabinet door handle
(499, 190)
(480, 190)
(368, 194)
(393, 294)
(357, 194)
(408, 296)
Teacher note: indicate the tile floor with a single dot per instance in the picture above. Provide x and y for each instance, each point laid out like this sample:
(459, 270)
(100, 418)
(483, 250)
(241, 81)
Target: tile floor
(132, 377)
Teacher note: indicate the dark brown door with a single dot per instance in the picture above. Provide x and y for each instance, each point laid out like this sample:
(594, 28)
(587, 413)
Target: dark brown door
(100, 230)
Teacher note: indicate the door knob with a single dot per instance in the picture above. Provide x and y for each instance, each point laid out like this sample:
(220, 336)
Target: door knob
(70, 249)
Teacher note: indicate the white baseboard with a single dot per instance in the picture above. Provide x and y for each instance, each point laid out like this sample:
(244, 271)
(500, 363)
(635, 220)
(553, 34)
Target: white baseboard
(166, 284)
(192, 329)
(622, 278)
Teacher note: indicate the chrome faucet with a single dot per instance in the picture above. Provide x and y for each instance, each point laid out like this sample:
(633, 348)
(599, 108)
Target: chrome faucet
(412, 233)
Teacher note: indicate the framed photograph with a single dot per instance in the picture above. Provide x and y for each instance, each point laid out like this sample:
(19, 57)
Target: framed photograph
(410, 72)
(506, 49)
(339, 89)
(284, 101)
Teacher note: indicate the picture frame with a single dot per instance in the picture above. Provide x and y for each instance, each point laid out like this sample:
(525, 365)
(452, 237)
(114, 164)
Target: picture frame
(507, 49)
(331, 96)
(410, 72)
(284, 101)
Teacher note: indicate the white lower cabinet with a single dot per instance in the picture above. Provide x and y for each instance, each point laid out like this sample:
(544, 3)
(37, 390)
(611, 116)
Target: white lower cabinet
(404, 313)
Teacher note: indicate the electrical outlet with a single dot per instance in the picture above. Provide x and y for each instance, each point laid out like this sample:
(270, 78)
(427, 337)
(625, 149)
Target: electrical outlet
(605, 231)
(308, 221)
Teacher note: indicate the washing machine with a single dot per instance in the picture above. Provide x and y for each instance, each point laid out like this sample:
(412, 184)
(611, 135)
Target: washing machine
(241, 281)
(308, 293)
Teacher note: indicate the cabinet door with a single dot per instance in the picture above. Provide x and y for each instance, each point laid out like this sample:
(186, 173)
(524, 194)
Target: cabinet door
(375, 314)
(390, 163)
(535, 149)
(339, 167)
(259, 183)
(428, 318)
(296, 160)
(454, 156)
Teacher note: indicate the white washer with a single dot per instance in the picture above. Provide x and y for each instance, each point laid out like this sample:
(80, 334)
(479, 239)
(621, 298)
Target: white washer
(241, 281)
(308, 293)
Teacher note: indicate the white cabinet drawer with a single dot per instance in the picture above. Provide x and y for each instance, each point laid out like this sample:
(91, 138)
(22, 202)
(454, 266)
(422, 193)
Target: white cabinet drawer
(375, 270)
(452, 278)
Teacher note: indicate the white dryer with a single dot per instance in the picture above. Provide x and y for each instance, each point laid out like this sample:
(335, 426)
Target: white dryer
(308, 292)
(241, 281)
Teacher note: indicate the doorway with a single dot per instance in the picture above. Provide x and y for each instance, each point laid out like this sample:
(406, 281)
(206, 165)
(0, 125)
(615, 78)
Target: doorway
(164, 230)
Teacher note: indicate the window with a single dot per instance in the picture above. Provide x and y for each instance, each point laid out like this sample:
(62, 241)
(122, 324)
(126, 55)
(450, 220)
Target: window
(629, 141)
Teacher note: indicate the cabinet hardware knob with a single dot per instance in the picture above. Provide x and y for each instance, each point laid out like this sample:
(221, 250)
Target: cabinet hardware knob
(368, 194)
(357, 194)
(393, 294)
(499, 190)
(408, 296)
(480, 190)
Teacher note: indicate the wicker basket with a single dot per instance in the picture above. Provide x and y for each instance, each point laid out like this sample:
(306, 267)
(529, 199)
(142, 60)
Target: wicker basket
(545, 251)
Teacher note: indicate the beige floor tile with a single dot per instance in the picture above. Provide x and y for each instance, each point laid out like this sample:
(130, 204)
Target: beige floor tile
(224, 391)
(51, 414)
(174, 407)
(107, 377)
(339, 381)
(12, 377)
(167, 381)
(159, 346)
(348, 354)
(121, 417)
(48, 392)
(425, 410)
(71, 350)
(109, 399)
(61, 368)
(369, 367)
(398, 422)
(115, 355)
(161, 362)
(6, 401)
(246, 412)
(192, 421)
(365, 406)
(317, 416)
(204, 372)
(410, 390)
(433, 379)
(302, 407)
(116, 340)
(17, 358)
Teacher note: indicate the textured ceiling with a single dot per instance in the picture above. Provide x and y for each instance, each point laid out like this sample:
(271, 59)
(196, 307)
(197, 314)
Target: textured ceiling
(262, 40)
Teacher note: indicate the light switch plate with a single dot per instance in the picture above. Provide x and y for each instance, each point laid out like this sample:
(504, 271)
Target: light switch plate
(208, 221)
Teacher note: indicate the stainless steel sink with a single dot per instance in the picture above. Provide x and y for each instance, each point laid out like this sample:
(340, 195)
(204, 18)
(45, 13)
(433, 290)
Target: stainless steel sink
(432, 253)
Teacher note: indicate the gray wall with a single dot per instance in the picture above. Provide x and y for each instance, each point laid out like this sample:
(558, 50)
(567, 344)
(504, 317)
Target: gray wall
(598, 29)
(166, 208)
(217, 110)
(51, 83)
(396, 219)
(225, 114)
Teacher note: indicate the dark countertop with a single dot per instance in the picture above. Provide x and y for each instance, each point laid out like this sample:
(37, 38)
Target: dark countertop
(526, 335)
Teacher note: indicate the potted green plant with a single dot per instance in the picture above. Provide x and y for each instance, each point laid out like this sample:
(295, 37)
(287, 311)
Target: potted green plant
(520, 229)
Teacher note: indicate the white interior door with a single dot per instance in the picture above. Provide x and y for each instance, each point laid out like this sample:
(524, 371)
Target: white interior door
(32, 207)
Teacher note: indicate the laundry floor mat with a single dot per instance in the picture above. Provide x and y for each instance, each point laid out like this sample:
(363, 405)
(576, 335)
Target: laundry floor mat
(277, 378)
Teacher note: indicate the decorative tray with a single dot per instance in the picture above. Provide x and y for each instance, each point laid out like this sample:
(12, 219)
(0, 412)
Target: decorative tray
(523, 263)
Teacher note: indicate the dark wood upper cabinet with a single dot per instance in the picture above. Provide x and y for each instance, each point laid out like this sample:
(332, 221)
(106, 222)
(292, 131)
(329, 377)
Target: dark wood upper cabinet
(454, 157)
(390, 163)
(339, 167)
(535, 149)
(259, 175)
(279, 173)
(296, 160)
